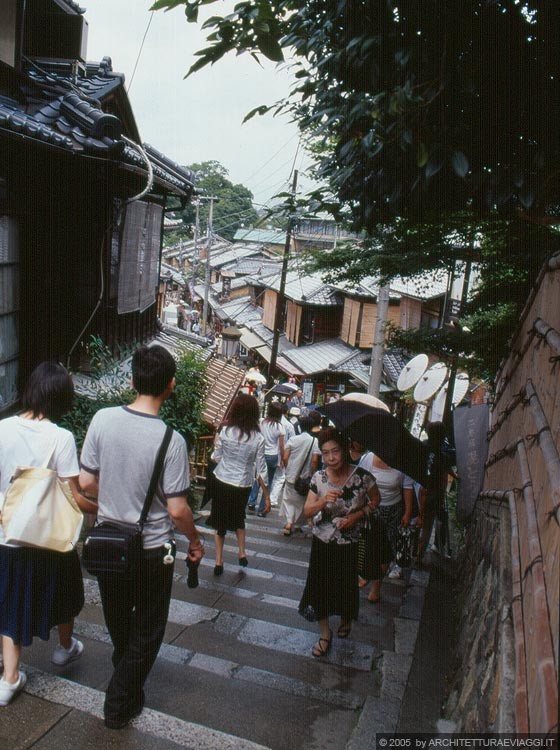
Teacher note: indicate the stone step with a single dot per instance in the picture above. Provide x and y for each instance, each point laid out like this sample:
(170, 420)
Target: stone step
(259, 633)
(233, 671)
(186, 734)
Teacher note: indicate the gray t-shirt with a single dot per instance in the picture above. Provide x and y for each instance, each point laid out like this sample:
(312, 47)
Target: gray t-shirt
(120, 448)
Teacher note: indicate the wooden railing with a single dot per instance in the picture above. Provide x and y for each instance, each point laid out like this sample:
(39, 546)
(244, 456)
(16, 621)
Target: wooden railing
(199, 458)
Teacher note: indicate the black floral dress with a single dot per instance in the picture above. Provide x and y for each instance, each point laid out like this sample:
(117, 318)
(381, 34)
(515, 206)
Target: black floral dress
(332, 578)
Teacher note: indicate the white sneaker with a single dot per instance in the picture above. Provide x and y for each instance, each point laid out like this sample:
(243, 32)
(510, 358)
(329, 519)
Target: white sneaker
(8, 690)
(62, 656)
(395, 572)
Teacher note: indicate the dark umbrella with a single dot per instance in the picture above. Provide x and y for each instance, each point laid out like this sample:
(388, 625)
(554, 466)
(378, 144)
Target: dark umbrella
(382, 433)
(284, 389)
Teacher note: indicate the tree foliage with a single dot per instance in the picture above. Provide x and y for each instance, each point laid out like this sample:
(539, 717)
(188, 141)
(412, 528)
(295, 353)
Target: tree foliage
(433, 127)
(234, 207)
(447, 104)
(110, 386)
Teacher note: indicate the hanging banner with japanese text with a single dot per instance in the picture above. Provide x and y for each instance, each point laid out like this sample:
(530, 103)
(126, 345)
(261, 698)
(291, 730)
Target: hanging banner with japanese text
(470, 424)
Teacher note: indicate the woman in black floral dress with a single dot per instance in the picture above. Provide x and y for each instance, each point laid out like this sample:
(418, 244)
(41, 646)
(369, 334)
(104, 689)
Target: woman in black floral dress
(338, 500)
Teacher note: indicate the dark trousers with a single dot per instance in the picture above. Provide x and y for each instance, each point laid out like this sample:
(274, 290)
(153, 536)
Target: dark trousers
(136, 611)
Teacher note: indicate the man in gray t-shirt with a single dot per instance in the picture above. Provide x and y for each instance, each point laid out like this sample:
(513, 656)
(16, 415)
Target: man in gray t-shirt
(117, 462)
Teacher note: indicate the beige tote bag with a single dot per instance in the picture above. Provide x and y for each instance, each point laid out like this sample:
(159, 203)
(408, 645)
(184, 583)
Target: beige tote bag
(40, 511)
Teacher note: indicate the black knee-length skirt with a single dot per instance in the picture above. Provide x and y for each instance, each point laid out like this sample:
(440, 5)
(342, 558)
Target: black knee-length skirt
(332, 582)
(228, 507)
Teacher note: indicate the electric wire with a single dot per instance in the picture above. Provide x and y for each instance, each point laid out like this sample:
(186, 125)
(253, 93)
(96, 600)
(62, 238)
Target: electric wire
(140, 51)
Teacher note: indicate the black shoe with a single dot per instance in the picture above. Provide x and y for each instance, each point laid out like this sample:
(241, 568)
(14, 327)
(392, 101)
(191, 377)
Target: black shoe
(121, 723)
(243, 562)
(251, 508)
(218, 570)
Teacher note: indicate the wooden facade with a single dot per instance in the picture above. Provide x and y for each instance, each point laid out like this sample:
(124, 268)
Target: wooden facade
(269, 308)
(359, 316)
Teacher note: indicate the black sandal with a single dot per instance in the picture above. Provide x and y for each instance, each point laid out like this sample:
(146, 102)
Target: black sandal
(319, 649)
(344, 630)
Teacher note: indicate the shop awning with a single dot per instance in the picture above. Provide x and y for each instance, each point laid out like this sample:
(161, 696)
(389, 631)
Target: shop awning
(249, 339)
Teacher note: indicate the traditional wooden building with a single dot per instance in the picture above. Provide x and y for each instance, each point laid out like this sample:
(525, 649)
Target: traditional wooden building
(413, 303)
(82, 201)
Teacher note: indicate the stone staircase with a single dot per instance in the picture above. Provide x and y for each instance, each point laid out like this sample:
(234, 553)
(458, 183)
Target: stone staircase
(235, 670)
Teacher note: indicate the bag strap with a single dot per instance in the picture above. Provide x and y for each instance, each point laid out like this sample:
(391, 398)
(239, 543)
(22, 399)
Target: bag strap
(155, 475)
(307, 455)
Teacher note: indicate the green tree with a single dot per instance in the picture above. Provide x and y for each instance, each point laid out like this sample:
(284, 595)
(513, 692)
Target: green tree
(444, 104)
(426, 120)
(110, 386)
(234, 207)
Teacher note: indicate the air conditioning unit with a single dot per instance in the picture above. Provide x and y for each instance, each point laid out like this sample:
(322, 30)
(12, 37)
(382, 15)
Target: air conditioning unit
(59, 36)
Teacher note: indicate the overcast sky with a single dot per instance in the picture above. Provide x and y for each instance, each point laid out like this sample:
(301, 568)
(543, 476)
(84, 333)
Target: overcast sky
(198, 118)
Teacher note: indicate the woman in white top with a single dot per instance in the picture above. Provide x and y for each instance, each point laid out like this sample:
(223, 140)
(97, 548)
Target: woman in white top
(395, 508)
(39, 588)
(301, 458)
(238, 452)
(273, 433)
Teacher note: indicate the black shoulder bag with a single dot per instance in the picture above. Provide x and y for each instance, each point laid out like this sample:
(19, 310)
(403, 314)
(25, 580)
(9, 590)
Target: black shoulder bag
(301, 485)
(114, 547)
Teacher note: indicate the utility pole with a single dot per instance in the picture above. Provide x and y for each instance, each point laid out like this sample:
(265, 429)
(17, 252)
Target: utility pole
(378, 348)
(207, 274)
(280, 299)
(447, 413)
(195, 249)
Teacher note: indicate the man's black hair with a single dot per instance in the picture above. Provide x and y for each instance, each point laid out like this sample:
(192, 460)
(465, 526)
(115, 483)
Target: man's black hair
(153, 368)
(49, 391)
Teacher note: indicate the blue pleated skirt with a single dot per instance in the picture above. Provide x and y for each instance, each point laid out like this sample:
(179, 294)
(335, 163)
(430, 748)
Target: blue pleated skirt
(38, 590)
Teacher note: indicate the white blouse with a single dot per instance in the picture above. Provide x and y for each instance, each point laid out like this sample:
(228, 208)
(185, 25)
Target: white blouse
(238, 456)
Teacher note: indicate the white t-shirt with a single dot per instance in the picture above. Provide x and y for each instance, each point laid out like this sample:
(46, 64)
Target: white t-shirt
(271, 432)
(120, 448)
(299, 463)
(390, 482)
(289, 429)
(29, 442)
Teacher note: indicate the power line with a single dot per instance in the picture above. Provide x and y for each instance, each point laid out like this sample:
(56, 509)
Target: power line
(271, 158)
(140, 51)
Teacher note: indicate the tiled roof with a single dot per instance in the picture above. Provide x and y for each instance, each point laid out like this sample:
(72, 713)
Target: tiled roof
(304, 288)
(186, 249)
(255, 266)
(228, 256)
(65, 111)
(167, 271)
(424, 286)
(358, 365)
(324, 355)
(261, 236)
(223, 382)
(394, 363)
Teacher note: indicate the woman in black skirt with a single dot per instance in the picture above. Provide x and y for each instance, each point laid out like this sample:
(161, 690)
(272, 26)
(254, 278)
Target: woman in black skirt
(338, 500)
(238, 452)
(39, 588)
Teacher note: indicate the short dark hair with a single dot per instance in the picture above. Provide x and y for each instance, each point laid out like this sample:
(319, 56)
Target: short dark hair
(314, 417)
(153, 368)
(49, 391)
(244, 414)
(274, 411)
(331, 433)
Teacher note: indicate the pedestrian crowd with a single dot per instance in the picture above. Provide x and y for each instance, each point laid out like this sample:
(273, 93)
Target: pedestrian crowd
(133, 476)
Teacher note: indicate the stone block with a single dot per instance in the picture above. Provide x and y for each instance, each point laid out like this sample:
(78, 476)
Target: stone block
(406, 633)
